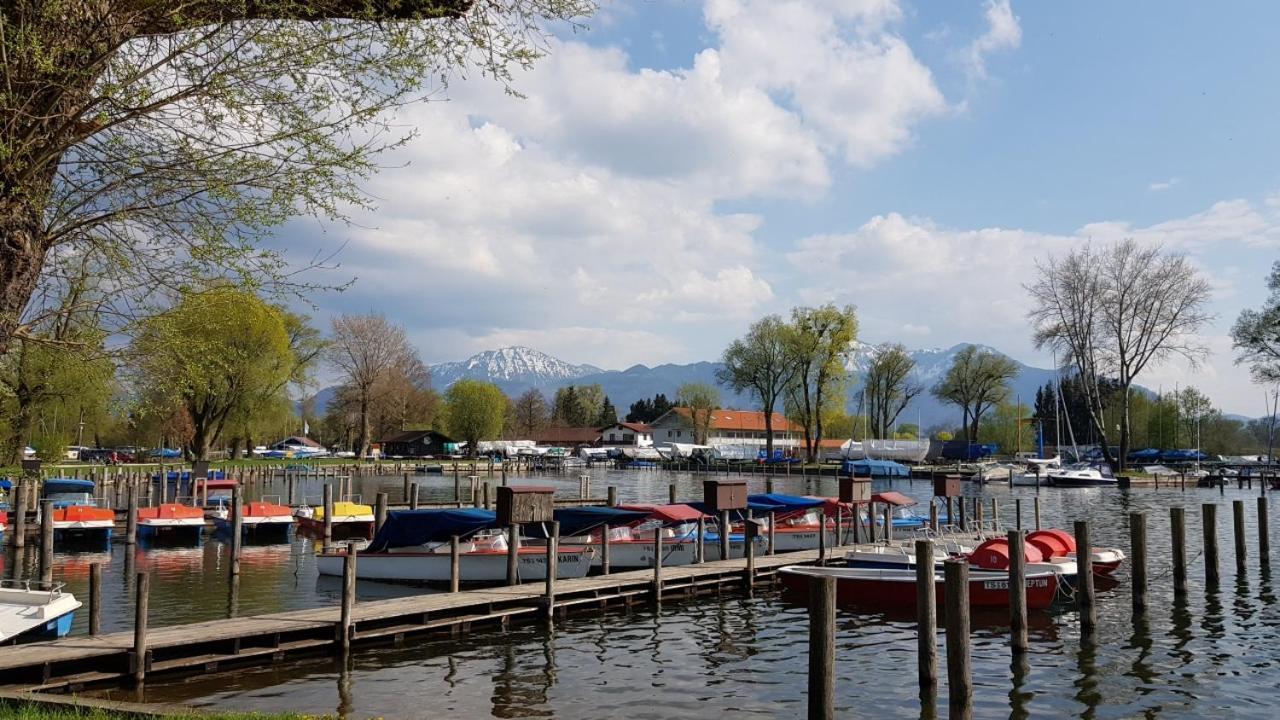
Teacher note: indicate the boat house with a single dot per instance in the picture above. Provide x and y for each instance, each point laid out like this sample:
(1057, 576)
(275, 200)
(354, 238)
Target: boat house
(415, 443)
(570, 437)
(729, 428)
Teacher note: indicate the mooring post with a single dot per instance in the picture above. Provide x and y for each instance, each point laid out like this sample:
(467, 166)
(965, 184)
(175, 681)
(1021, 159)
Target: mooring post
(888, 524)
(1084, 567)
(612, 496)
(871, 523)
(553, 541)
(926, 622)
(1037, 512)
(131, 518)
(978, 515)
(20, 514)
(964, 519)
(141, 600)
(46, 541)
(604, 550)
(822, 648)
(657, 564)
(1017, 593)
(237, 527)
(327, 509)
(725, 529)
(474, 482)
(1237, 513)
(995, 514)
(749, 550)
(768, 484)
(1017, 513)
(700, 548)
(822, 539)
(1264, 536)
(1138, 549)
(933, 519)
(380, 514)
(95, 598)
(348, 597)
(671, 494)
(1209, 527)
(772, 537)
(513, 557)
(959, 670)
(413, 496)
(406, 487)
(455, 564)
(1178, 536)
(457, 486)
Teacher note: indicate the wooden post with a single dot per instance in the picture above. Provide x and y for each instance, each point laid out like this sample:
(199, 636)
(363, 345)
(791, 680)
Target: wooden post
(1017, 513)
(768, 484)
(888, 524)
(406, 488)
(1138, 572)
(455, 564)
(413, 496)
(1037, 512)
(474, 482)
(725, 530)
(1209, 526)
(926, 622)
(959, 671)
(964, 518)
(140, 602)
(46, 541)
(380, 514)
(822, 539)
(1178, 536)
(1237, 512)
(995, 513)
(95, 599)
(671, 494)
(822, 648)
(771, 549)
(1084, 578)
(700, 549)
(1264, 536)
(604, 549)
(933, 519)
(457, 486)
(1017, 593)
(513, 558)
(749, 550)
(657, 564)
(237, 527)
(613, 496)
(20, 513)
(348, 597)
(553, 540)
(977, 513)
(871, 523)
(328, 516)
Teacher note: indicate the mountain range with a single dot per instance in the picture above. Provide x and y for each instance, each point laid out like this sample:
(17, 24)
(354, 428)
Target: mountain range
(517, 369)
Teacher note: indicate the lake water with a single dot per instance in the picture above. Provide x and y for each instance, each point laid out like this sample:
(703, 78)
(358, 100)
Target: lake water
(1213, 655)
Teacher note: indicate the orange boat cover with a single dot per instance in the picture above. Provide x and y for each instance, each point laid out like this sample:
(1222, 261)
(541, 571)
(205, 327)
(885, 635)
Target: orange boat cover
(994, 554)
(170, 511)
(1053, 543)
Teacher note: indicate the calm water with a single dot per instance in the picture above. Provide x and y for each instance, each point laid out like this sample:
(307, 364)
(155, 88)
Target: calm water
(1213, 655)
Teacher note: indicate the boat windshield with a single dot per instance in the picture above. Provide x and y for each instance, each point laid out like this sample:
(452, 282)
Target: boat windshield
(69, 498)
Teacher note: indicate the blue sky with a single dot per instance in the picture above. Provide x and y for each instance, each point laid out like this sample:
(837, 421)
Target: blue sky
(680, 168)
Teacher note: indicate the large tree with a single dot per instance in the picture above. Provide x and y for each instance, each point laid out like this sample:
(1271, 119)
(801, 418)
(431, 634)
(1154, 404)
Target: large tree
(977, 381)
(529, 414)
(474, 411)
(761, 364)
(1114, 312)
(1256, 334)
(820, 340)
(166, 137)
(889, 387)
(702, 400)
(370, 352)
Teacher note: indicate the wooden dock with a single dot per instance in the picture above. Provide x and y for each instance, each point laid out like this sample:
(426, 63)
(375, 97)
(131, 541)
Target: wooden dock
(71, 663)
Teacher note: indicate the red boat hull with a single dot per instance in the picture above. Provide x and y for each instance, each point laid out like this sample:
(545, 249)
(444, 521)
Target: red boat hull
(985, 592)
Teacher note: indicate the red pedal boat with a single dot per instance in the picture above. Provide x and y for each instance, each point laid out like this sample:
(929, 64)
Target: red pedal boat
(896, 589)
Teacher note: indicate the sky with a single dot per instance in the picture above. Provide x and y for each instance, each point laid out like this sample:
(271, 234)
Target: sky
(675, 170)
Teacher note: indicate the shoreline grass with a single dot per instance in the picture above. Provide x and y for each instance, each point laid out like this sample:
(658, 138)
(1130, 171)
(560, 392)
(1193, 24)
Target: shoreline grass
(22, 710)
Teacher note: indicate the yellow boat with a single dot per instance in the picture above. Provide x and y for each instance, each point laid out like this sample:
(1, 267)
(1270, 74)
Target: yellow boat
(350, 519)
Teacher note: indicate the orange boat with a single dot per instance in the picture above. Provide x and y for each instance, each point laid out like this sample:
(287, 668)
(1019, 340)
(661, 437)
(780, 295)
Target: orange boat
(170, 520)
(257, 519)
(83, 523)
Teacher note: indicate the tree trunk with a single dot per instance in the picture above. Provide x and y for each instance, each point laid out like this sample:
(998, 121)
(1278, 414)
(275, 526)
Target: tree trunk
(768, 433)
(199, 437)
(19, 431)
(22, 249)
(362, 440)
(1123, 457)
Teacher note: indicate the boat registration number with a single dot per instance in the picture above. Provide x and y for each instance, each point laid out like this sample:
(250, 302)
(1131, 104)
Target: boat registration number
(1004, 584)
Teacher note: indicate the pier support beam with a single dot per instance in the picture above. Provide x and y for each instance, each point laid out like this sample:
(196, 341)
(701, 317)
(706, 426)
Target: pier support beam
(1084, 578)
(46, 541)
(1138, 551)
(822, 648)
(141, 604)
(959, 668)
(348, 598)
(1178, 537)
(926, 623)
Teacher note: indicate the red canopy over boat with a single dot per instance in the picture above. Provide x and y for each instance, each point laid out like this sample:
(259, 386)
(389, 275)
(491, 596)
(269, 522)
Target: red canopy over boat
(893, 498)
(667, 513)
(220, 483)
(170, 511)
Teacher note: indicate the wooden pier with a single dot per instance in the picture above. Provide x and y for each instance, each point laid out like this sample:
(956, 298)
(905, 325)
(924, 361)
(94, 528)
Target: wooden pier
(73, 662)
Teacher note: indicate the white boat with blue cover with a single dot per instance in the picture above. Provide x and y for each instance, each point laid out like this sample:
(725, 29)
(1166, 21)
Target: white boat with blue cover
(1084, 474)
(34, 611)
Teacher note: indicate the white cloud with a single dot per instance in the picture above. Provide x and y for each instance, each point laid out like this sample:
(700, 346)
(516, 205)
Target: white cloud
(1003, 33)
(1162, 185)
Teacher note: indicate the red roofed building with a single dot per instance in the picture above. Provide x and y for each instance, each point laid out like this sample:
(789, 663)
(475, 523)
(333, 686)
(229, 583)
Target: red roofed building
(728, 427)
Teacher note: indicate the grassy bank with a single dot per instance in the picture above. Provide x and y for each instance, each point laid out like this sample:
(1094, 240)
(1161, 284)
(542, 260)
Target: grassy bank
(15, 710)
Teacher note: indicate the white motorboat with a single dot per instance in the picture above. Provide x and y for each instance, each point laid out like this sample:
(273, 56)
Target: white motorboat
(1084, 474)
(33, 610)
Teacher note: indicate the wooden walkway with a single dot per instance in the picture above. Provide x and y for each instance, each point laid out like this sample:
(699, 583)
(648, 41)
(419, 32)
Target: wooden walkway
(73, 662)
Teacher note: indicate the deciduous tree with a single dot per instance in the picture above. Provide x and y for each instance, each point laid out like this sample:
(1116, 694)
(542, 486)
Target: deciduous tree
(702, 400)
(889, 387)
(1256, 334)
(977, 380)
(474, 411)
(819, 344)
(761, 363)
(371, 352)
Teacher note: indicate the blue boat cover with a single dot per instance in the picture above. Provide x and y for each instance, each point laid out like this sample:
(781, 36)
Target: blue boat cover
(582, 520)
(173, 475)
(875, 468)
(407, 528)
(1145, 454)
(785, 503)
(5, 484)
(67, 485)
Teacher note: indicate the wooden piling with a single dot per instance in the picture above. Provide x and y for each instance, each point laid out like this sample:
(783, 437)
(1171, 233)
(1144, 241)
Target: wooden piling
(1017, 593)
(959, 669)
(725, 529)
(700, 547)
(406, 495)
(888, 524)
(141, 601)
(380, 514)
(328, 516)
(457, 486)
(553, 541)
(513, 558)
(413, 496)
(657, 564)
(604, 549)
(348, 598)
(237, 526)
(1237, 516)
(1037, 512)
(455, 564)
(822, 539)
(933, 519)
(1138, 567)
(95, 598)
(995, 514)
(773, 517)
(926, 622)
(1209, 537)
(1264, 535)
(1017, 513)
(1084, 578)
(822, 648)
(1178, 536)
(20, 513)
(46, 541)
(612, 500)
(671, 494)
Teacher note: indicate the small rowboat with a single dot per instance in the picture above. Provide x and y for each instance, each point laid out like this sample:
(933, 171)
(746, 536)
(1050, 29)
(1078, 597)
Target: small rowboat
(896, 589)
(172, 520)
(32, 611)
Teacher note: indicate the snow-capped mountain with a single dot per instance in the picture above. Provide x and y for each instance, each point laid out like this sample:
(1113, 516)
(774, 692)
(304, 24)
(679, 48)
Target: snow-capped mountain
(510, 367)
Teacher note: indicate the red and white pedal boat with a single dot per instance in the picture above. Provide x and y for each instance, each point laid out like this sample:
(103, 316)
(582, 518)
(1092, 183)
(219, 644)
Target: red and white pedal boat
(170, 518)
(896, 589)
(481, 560)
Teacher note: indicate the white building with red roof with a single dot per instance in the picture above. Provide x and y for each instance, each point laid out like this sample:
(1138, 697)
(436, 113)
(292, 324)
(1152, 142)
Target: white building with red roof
(728, 428)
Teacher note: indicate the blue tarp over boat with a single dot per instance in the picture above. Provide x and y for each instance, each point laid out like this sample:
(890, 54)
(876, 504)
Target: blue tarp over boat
(785, 503)
(407, 528)
(67, 485)
(875, 468)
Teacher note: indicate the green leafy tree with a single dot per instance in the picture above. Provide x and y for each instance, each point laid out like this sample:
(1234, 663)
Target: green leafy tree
(889, 387)
(608, 413)
(819, 345)
(761, 363)
(167, 137)
(217, 353)
(976, 381)
(702, 400)
(474, 411)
